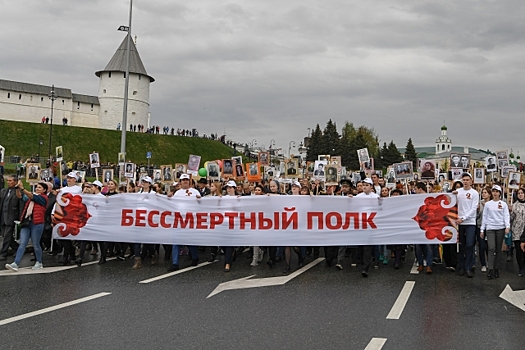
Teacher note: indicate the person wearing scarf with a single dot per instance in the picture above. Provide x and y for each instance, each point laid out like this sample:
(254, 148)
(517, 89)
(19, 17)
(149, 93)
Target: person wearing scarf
(517, 219)
(34, 211)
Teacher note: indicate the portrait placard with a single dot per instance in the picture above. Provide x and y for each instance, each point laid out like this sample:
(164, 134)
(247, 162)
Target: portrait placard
(167, 172)
(362, 155)
(59, 153)
(479, 175)
(33, 172)
(180, 169)
(427, 169)
(490, 164)
(514, 180)
(107, 175)
(264, 158)
(94, 160)
(403, 170)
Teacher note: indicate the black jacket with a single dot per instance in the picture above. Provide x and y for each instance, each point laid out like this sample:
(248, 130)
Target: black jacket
(15, 207)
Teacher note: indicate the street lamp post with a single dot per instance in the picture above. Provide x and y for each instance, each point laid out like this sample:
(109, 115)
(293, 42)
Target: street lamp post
(52, 96)
(290, 147)
(126, 85)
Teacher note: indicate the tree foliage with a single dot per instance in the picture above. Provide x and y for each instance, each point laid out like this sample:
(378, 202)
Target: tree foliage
(410, 153)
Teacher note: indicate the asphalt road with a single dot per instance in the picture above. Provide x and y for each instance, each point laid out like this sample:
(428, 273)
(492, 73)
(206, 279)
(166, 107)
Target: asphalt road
(320, 308)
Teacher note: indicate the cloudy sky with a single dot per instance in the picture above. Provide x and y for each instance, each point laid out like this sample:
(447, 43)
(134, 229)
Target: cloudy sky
(272, 69)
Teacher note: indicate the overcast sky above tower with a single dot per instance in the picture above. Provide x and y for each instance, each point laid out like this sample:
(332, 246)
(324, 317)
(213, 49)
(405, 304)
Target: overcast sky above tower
(271, 69)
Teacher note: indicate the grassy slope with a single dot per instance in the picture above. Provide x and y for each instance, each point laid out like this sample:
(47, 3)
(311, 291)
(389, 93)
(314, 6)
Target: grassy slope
(20, 138)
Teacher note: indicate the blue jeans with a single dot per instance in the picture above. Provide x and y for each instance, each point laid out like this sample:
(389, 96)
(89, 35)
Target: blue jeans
(424, 252)
(35, 233)
(175, 253)
(467, 240)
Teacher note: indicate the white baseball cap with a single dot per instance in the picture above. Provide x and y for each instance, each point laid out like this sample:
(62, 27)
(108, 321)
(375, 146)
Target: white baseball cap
(73, 175)
(147, 179)
(368, 181)
(184, 176)
(97, 183)
(296, 183)
(231, 183)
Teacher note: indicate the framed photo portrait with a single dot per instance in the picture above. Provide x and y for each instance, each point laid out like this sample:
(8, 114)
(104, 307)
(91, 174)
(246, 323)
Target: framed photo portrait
(227, 168)
(157, 175)
(490, 164)
(456, 173)
(403, 170)
(252, 171)
(324, 158)
(479, 175)
(446, 186)
(33, 172)
(455, 161)
(310, 167)
(390, 178)
(179, 170)
(239, 171)
(264, 158)
(331, 175)
(368, 166)
(94, 160)
(514, 180)
(427, 169)
(464, 161)
(193, 164)
(335, 161)
(167, 172)
(107, 174)
(59, 153)
(121, 158)
(291, 167)
(319, 169)
(506, 170)
(237, 159)
(502, 154)
(269, 172)
(46, 175)
(213, 170)
(362, 155)
(129, 170)
(81, 176)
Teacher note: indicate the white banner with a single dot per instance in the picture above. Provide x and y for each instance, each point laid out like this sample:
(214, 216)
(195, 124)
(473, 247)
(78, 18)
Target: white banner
(258, 220)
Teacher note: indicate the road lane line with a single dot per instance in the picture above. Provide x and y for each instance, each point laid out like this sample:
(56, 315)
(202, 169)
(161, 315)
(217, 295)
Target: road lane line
(177, 272)
(29, 271)
(52, 308)
(401, 301)
(414, 270)
(376, 344)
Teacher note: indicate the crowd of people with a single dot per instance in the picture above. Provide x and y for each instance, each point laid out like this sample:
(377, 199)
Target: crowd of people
(490, 232)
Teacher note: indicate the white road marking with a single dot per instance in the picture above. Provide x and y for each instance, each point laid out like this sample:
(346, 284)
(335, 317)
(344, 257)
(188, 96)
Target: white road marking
(399, 305)
(52, 308)
(28, 271)
(414, 270)
(177, 272)
(246, 282)
(376, 344)
(515, 297)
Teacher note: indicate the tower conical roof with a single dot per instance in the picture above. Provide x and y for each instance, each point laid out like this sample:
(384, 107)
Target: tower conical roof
(118, 61)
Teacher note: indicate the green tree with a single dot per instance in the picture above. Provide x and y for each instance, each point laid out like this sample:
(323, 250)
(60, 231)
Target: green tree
(330, 141)
(353, 139)
(410, 153)
(391, 154)
(314, 148)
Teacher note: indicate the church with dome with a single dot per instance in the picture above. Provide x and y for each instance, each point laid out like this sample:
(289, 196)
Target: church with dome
(443, 148)
(22, 101)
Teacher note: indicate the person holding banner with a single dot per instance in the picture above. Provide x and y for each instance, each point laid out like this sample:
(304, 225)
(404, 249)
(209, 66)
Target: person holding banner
(34, 213)
(424, 252)
(495, 224)
(231, 186)
(468, 200)
(365, 251)
(149, 248)
(185, 191)
(486, 196)
(296, 188)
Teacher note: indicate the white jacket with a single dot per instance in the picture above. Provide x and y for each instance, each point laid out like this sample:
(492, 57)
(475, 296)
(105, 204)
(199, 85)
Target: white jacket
(495, 216)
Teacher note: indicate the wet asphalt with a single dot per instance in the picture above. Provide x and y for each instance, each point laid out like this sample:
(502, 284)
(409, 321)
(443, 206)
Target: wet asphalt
(322, 308)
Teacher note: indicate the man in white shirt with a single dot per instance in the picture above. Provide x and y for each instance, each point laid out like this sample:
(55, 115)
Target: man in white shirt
(468, 200)
(365, 251)
(185, 191)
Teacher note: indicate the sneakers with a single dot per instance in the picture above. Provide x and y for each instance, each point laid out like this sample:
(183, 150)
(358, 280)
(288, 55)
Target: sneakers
(483, 269)
(339, 266)
(520, 274)
(12, 267)
(37, 266)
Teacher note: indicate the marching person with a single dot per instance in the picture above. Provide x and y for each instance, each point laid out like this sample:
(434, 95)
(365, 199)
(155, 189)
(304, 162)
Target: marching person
(468, 200)
(365, 251)
(33, 213)
(495, 224)
(517, 219)
(149, 248)
(10, 208)
(185, 191)
(69, 250)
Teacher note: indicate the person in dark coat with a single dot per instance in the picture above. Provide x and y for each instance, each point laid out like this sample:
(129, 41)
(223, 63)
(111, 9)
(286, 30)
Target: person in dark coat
(10, 210)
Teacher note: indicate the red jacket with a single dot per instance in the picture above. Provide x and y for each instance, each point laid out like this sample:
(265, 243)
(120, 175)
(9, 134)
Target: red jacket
(39, 209)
